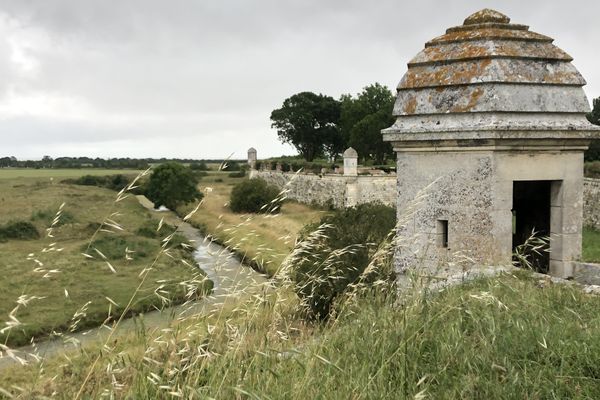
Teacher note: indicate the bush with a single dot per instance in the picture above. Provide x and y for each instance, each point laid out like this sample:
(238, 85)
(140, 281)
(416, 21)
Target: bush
(115, 247)
(19, 230)
(113, 182)
(592, 169)
(231, 166)
(172, 184)
(148, 229)
(254, 195)
(199, 166)
(48, 215)
(239, 174)
(338, 259)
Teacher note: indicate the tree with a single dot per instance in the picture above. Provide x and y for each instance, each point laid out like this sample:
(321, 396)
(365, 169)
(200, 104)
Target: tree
(172, 184)
(362, 119)
(309, 122)
(593, 153)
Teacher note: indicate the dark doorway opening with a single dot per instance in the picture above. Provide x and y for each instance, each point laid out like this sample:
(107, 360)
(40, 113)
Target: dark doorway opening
(531, 212)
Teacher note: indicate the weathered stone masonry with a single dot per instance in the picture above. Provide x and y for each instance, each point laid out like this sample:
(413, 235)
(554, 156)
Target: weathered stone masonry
(337, 190)
(343, 191)
(591, 203)
(491, 119)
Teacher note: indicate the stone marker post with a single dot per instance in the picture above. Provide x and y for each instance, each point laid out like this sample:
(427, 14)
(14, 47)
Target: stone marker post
(350, 162)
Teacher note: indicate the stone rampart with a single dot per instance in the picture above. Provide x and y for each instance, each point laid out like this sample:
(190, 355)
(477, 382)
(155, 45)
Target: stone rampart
(591, 202)
(344, 191)
(337, 190)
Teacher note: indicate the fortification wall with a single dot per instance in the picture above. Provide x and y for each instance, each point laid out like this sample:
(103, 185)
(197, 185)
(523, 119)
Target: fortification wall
(591, 202)
(337, 190)
(345, 191)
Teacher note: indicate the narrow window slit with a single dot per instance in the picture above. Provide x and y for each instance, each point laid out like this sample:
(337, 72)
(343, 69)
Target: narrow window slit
(442, 233)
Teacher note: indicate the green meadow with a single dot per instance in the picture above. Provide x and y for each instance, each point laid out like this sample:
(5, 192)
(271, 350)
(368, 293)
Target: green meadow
(87, 267)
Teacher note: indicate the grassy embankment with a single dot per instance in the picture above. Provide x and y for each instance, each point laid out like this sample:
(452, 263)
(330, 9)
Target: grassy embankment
(261, 240)
(507, 337)
(63, 280)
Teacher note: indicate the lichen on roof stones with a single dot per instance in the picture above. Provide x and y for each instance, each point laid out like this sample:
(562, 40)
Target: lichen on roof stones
(490, 65)
(486, 15)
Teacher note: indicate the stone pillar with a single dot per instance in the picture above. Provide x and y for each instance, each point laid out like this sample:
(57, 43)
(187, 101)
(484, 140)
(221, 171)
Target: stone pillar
(278, 167)
(252, 157)
(350, 162)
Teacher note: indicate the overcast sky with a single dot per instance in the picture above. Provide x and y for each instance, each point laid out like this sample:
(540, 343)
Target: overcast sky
(199, 79)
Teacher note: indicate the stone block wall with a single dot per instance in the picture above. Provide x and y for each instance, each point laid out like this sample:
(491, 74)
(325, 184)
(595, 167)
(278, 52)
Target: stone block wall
(337, 190)
(591, 202)
(342, 191)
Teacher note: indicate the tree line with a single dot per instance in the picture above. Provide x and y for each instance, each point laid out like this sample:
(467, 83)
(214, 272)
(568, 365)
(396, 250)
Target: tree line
(318, 125)
(109, 163)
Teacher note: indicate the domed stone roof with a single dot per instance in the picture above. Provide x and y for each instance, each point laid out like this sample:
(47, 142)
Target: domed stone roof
(489, 74)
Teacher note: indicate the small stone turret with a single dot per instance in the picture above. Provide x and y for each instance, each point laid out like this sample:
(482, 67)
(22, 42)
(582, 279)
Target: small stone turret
(490, 121)
(252, 157)
(350, 162)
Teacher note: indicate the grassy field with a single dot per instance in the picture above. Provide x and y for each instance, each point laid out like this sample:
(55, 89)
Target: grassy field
(515, 336)
(59, 280)
(262, 239)
(12, 173)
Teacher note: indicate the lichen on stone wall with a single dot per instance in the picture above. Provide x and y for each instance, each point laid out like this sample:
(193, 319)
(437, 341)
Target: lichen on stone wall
(591, 203)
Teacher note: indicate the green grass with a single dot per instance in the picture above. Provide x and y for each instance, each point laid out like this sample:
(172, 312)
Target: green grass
(66, 280)
(506, 337)
(591, 245)
(264, 240)
(12, 173)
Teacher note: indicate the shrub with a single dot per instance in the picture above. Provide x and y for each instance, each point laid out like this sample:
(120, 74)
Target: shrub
(20, 230)
(231, 166)
(113, 182)
(239, 174)
(199, 166)
(172, 184)
(254, 195)
(350, 238)
(48, 215)
(115, 247)
(592, 169)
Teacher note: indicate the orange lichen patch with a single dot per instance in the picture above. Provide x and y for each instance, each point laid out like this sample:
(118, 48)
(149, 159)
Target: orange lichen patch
(488, 34)
(445, 75)
(486, 15)
(411, 106)
(473, 100)
(453, 52)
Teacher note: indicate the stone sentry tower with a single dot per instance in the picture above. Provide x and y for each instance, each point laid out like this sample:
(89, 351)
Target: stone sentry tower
(492, 117)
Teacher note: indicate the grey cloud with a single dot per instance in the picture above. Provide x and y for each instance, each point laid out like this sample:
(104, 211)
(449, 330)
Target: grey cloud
(156, 69)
